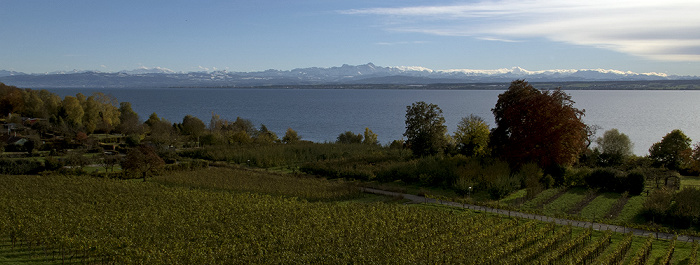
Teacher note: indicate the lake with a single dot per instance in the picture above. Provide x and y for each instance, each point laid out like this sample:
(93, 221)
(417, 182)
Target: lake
(320, 115)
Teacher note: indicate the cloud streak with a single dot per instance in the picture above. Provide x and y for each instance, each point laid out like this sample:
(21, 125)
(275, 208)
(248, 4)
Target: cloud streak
(659, 30)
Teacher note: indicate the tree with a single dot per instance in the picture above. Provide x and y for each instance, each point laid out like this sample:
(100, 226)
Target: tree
(142, 160)
(614, 147)
(349, 137)
(192, 126)
(11, 99)
(425, 129)
(129, 122)
(265, 136)
(472, 136)
(73, 110)
(161, 130)
(672, 151)
(108, 112)
(370, 137)
(537, 126)
(290, 136)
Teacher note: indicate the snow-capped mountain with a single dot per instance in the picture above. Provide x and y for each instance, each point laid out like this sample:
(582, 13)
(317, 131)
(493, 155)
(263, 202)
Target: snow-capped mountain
(345, 74)
(145, 70)
(10, 73)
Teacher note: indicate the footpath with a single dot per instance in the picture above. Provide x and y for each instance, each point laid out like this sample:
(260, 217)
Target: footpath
(560, 221)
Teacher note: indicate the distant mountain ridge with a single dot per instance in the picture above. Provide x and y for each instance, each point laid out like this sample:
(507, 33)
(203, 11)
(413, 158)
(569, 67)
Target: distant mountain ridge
(345, 74)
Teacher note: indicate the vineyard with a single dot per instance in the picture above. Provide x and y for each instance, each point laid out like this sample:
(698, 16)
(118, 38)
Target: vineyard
(225, 216)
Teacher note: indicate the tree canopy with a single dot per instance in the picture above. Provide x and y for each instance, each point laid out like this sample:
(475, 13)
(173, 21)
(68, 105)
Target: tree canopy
(614, 147)
(425, 129)
(472, 136)
(672, 151)
(537, 126)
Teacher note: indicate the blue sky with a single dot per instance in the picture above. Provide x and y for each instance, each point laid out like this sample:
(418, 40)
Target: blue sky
(639, 36)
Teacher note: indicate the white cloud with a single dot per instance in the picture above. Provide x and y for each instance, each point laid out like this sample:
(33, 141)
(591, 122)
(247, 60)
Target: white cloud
(661, 30)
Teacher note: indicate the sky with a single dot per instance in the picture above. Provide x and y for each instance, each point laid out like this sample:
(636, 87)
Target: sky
(641, 36)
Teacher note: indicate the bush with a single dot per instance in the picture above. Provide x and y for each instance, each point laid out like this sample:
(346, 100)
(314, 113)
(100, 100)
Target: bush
(656, 205)
(604, 178)
(685, 210)
(20, 166)
(557, 173)
(635, 182)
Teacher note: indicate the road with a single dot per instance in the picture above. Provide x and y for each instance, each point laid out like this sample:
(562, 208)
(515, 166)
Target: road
(561, 221)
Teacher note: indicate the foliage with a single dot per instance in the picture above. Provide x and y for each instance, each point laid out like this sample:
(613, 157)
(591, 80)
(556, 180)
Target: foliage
(20, 166)
(290, 137)
(265, 136)
(425, 129)
(349, 137)
(671, 151)
(656, 206)
(192, 126)
(142, 160)
(472, 136)
(685, 209)
(129, 120)
(370, 137)
(610, 179)
(614, 148)
(532, 175)
(537, 126)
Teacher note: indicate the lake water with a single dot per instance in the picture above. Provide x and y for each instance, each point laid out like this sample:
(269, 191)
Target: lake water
(321, 114)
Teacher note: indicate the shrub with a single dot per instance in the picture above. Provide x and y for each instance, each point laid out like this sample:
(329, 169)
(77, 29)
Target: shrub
(635, 182)
(685, 209)
(20, 166)
(603, 178)
(557, 173)
(656, 205)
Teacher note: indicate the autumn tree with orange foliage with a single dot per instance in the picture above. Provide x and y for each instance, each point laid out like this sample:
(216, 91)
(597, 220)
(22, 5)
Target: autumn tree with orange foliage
(537, 126)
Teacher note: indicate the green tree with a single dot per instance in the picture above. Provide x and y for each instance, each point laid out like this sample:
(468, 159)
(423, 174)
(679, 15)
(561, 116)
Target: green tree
(370, 137)
(537, 126)
(192, 126)
(265, 136)
(290, 137)
(614, 147)
(129, 122)
(349, 137)
(142, 160)
(34, 105)
(52, 103)
(425, 129)
(672, 151)
(472, 136)
(161, 130)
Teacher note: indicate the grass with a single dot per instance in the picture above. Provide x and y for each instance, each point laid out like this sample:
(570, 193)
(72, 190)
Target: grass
(630, 213)
(540, 198)
(565, 202)
(514, 197)
(600, 206)
(690, 182)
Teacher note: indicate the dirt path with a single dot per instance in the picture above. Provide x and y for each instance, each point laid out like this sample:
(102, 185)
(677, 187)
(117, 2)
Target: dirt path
(561, 221)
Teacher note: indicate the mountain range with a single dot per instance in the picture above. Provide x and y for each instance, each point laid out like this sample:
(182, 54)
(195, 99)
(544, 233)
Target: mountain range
(369, 74)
